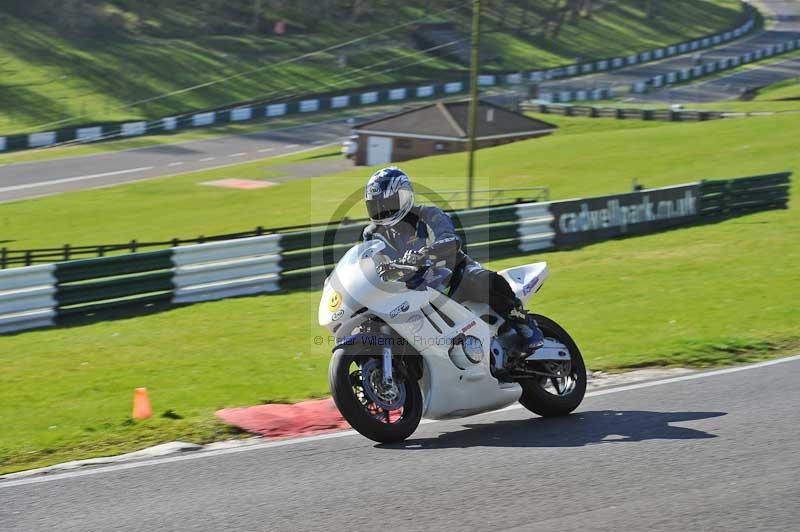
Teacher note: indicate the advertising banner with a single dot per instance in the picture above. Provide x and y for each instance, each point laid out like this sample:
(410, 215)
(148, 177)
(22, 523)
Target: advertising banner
(584, 221)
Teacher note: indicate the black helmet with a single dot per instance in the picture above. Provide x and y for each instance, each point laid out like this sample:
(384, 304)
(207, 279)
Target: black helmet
(389, 196)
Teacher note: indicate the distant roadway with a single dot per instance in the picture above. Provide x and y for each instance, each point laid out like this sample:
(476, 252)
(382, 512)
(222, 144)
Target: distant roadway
(709, 451)
(782, 23)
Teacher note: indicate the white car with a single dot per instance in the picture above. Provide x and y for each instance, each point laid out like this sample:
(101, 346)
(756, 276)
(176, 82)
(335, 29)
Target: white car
(350, 146)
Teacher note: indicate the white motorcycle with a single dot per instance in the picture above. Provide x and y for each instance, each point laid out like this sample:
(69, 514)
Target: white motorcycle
(404, 350)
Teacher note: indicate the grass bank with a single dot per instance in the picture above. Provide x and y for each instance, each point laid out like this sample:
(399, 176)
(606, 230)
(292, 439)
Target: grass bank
(50, 80)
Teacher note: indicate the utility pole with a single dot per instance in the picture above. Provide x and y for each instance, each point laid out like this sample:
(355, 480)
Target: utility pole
(473, 96)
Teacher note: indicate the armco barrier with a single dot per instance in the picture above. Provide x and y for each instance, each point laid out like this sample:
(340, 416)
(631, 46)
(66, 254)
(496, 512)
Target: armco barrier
(39, 296)
(712, 67)
(376, 95)
(623, 113)
(27, 298)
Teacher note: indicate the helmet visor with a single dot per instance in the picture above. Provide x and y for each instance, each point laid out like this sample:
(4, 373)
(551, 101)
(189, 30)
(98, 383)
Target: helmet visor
(382, 209)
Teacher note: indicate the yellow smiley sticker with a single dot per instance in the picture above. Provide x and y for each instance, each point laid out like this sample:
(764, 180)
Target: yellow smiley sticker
(334, 302)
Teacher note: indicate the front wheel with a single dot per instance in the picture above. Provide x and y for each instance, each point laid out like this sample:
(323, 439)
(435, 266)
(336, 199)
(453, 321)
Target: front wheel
(556, 396)
(381, 413)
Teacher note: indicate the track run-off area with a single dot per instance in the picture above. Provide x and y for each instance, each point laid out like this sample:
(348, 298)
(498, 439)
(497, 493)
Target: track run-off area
(714, 450)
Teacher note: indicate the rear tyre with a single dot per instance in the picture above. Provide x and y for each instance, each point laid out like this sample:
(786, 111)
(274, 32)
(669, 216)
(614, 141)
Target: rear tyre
(550, 397)
(385, 416)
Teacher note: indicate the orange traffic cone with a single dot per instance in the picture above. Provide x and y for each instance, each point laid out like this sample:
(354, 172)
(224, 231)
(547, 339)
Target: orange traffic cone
(141, 404)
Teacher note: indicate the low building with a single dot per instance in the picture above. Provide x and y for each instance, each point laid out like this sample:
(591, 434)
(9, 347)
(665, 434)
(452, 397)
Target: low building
(441, 128)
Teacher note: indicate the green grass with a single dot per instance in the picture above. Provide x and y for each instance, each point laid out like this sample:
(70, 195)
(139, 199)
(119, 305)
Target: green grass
(589, 156)
(708, 295)
(49, 80)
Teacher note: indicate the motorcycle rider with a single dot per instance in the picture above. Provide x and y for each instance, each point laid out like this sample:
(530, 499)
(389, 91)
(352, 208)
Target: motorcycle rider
(419, 232)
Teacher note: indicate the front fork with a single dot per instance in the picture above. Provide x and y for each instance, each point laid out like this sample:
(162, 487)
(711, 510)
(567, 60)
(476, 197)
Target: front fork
(387, 359)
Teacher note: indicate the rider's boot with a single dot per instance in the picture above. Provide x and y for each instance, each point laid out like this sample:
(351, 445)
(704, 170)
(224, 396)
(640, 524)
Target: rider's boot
(526, 327)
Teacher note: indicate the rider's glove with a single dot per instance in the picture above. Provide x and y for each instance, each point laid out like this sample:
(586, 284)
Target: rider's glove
(412, 258)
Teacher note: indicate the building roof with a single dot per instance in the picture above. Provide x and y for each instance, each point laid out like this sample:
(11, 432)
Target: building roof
(449, 120)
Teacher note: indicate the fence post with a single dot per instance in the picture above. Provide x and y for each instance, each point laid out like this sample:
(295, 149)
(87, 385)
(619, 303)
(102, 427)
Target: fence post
(101, 251)
(3, 258)
(28, 258)
(259, 230)
(66, 251)
(133, 246)
(176, 242)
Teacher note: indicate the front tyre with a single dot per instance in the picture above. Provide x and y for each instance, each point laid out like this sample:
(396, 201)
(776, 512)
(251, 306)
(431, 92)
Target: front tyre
(556, 396)
(385, 415)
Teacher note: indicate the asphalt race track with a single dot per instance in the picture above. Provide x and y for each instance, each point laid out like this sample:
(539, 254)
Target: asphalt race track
(713, 451)
(26, 180)
(783, 24)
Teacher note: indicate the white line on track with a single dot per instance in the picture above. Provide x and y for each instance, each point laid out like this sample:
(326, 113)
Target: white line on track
(176, 163)
(319, 437)
(290, 146)
(205, 159)
(240, 154)
(265, 150)
(73, 179)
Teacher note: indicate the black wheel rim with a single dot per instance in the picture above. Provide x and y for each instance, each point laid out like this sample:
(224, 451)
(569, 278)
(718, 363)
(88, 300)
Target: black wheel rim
(374, 402)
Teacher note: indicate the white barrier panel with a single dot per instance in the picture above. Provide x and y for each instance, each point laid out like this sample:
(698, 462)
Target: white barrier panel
(338, 102)
(734, 62)
(706, 42)
(645, 56)
(737, 32)
(226, 250)
(514, 79)
(369, 97)
(397, 94)
(226, 269)
(545, 97)
(2, 143)
(672, 77)
(694, 45)
(486, 80)
(639, 87)
(170, 123)
(37, 140)
(768, 51)
(89, 133)
(425, 91)
(455, 86)
(534, 230)
(727, 36)
(746, 58)
(276, 109)
(242, 113)
(672, 50)
(779, 48)
(27, 298)
(602, 65)
(697, 71)
(131, 129)
(203, 119)
(586, 68)
(658, 81)
(307, 106)
(683, 48)
(632, 59)
(758, 54)
(536, 76)
(790, 45)
(658, 54)
(617, 62)
(717, 39)
(564, 96)
(580, 95)
(686, 73)
(572, 70)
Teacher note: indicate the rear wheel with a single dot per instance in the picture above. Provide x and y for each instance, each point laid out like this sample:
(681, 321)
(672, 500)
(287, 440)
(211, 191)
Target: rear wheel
(557, 395)
(381, 413)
